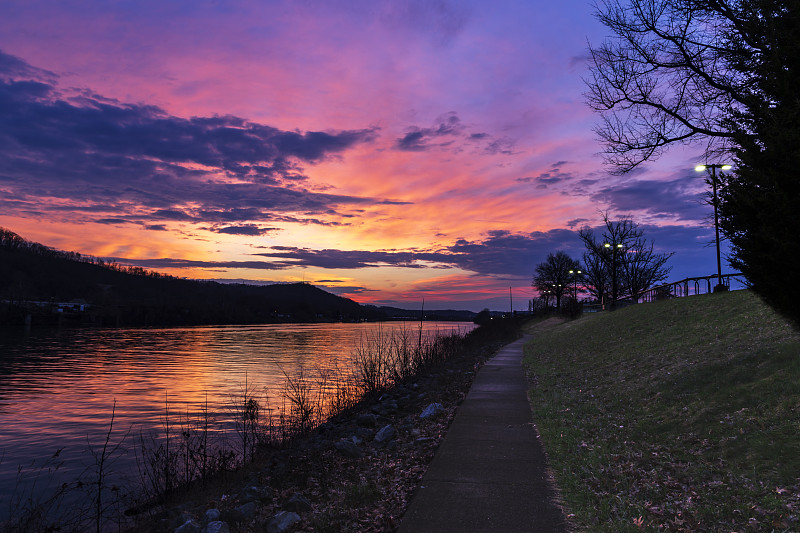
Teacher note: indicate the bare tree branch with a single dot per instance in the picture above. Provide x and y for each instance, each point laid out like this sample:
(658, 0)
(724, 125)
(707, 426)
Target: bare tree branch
(666, 76)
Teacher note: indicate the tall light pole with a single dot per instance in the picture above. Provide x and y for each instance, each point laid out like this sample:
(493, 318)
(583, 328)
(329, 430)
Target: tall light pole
(713, 168)
(613, 247)
(575, 275)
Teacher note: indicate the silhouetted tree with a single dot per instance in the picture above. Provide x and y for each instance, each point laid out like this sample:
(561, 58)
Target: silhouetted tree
(760, 201)
(483, 317)
(596, 276)
(667, 75)
(553, 277)
(725, 72)
(622, 263)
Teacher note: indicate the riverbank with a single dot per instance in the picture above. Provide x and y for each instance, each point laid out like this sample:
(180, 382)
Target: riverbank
(355, 472)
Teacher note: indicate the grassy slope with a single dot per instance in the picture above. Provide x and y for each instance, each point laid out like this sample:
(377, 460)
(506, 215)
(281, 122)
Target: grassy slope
(678, 415)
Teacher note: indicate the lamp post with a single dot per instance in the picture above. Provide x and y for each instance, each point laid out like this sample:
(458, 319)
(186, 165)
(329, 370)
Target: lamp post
(713, 168)
(613, 247)
(575, 275)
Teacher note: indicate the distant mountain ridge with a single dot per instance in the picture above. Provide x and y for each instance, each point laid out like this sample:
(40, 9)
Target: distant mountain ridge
(396, 313)
(35, 278)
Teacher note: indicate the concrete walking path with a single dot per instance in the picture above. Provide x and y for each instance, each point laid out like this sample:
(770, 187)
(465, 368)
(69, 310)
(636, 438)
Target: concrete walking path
(489, 472)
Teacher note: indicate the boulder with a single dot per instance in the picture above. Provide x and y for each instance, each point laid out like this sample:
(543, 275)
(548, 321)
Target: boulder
(244, 512)
(298, 504)
(386, 434)
(217, 527)
(190, 526)
(433, 409)
(348, 449)
(364, 433)
(255, 493)
(367, 421)
(282, 521)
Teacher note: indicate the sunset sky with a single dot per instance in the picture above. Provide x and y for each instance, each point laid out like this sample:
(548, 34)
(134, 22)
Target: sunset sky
(385, 150)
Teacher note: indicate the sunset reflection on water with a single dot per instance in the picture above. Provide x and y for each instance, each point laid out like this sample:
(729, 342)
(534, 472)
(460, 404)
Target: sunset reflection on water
(58, 388)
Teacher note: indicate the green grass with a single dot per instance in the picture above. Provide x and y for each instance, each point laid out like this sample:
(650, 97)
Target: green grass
(681, 415)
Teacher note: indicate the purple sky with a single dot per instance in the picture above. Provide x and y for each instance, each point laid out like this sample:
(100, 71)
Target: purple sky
(388, 151)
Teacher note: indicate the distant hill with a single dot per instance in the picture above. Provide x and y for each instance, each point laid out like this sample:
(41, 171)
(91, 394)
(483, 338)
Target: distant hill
(396, 313)
(36, 279)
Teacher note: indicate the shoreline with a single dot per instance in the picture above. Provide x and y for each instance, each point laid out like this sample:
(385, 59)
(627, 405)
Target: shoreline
(355, 472)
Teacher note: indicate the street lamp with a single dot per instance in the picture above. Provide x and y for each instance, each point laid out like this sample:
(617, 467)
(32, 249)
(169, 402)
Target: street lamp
(613, 247)
(713, 168)
(575, 275)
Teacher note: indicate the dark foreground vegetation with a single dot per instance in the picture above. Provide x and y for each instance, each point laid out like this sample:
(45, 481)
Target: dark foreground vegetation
(679, 415)
(344, 452)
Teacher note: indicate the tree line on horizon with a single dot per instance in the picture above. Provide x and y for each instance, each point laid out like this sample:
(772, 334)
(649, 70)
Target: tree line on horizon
(34, 277)
(618, 264)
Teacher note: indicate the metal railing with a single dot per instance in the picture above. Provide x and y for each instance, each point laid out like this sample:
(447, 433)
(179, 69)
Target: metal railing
(693, 286)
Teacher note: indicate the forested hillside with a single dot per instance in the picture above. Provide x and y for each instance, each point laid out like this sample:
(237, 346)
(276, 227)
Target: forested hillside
(35, 279)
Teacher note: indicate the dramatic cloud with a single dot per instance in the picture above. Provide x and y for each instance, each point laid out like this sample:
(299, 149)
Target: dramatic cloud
(245, 229)
(419, 139)
(168, 263)
(140, 163)
(449, 132)
(552, 176)
(506, 253)
(343, 259)
(501, 254)
(412, 148)
(681, 198)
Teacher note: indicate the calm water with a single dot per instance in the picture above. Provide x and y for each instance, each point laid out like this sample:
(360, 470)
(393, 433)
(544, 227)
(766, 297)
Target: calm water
(57, 388)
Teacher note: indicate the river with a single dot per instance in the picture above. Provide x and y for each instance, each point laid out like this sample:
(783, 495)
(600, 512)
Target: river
(58, 387)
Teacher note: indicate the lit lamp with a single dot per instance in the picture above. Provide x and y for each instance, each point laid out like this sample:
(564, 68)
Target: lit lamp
(614, 248)
(713, 168)
(575, 275)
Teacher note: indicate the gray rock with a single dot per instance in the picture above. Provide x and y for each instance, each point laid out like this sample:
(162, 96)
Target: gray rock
(217, 527)
(255, 493)
(298, 503)
(212, 515)
(190, 526)
(348, 449)
(367, 421)
(386, 434)
(182, 517)
(245, 512)
(364, 433)
(433, 409)
(282, 521)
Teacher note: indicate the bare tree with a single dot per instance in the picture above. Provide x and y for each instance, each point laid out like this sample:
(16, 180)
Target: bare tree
(724, 72)
(669, 75)
(596, 276)
(644, 268)
(622, 263)
(553, 276)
